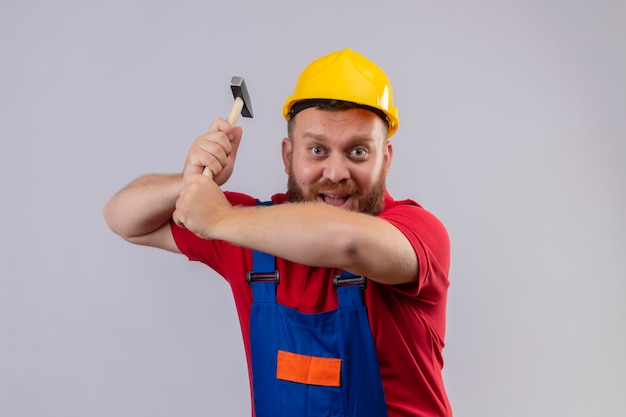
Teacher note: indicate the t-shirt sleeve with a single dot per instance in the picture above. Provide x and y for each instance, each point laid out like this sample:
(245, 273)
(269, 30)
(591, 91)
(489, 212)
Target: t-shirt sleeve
(431, 243)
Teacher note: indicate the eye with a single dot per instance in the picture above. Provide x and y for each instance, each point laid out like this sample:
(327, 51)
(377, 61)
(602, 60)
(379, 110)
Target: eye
(317, 150)
(359, 153)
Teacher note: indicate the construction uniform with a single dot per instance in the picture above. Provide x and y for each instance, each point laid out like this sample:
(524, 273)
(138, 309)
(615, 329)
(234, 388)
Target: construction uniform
(407, 322)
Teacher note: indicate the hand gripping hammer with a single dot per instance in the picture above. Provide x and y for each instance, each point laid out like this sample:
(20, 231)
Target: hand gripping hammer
(242, 105)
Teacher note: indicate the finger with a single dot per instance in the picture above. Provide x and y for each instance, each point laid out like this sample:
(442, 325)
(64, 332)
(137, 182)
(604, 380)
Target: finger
(178, 220)
(210, 150)
(204, 153)
(234, 133)
(220, 124)
(214, 142)
(216, 151)
(177, 216)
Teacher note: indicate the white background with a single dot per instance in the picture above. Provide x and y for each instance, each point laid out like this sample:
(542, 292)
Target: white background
(513, 132)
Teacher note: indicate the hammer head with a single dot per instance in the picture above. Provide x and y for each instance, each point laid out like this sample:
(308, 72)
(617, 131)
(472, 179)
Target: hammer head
(238, 86)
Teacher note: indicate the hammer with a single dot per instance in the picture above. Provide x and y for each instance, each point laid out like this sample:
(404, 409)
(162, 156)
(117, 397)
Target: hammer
(242, 105)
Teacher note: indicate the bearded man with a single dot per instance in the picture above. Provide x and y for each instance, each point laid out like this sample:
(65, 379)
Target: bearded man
(340, 289)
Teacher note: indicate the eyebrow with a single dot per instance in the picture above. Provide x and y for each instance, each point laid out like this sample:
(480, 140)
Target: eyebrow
(316, 136)
(323, 138)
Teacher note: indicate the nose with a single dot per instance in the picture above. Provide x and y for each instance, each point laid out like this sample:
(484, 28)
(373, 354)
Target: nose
(336, 168)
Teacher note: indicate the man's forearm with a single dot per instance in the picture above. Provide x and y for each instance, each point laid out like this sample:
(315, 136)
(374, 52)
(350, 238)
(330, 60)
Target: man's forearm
(319, 235)
(144, 205)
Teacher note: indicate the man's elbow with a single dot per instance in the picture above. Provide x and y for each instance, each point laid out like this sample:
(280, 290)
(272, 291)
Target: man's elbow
(114, 218)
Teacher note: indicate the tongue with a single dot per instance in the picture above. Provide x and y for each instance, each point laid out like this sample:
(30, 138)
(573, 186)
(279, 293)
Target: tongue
(334, 201)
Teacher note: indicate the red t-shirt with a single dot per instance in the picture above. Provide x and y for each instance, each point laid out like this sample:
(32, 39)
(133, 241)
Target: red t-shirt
(407, 321)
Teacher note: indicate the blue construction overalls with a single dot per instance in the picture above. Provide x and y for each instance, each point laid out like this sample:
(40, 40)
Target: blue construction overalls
(312, 365)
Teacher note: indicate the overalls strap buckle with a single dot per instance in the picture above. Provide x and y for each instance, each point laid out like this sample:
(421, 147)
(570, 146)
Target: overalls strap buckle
(263, 268)
(262, 277)
(346, 278)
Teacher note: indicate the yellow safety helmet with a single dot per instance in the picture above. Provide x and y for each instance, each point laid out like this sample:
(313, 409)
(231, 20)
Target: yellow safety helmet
(348, 76)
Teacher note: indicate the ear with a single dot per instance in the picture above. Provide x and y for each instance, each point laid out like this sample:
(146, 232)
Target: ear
(287, 149)
(387, 156)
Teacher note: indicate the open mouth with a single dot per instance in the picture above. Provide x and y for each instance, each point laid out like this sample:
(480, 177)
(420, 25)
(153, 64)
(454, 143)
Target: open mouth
(334, 199)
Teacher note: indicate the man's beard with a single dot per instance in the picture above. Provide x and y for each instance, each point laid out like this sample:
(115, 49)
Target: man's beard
(368, 203)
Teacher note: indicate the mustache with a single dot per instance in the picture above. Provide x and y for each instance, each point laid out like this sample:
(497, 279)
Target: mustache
(340, 188)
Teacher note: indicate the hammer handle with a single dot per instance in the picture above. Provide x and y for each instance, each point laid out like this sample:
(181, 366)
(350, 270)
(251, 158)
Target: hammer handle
(235, 111)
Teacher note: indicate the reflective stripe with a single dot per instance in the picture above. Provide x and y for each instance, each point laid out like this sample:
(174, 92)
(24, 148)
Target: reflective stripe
(305, 369)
